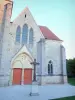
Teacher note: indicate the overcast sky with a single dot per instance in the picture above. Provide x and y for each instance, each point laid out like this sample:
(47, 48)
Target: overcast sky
(57, 15)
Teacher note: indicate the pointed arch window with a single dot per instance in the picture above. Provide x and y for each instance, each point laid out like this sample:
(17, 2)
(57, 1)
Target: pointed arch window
(18, 33)
(31, 36)
(50, 68)
(25, 34)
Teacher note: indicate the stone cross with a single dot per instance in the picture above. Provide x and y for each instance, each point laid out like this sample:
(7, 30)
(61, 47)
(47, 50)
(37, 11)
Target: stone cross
(34, 63)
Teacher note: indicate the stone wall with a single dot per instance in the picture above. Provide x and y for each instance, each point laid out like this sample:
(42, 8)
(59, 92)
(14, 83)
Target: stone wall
(51, 80)
(45, 79)
(53, 53)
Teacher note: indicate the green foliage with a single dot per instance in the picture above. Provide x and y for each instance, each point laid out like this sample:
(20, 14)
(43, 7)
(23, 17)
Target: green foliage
(71, 67)
(71, 81)
(66, 98)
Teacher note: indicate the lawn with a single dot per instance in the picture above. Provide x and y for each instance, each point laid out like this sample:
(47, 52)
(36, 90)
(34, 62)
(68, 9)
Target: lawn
(71, 81)
(66, 98)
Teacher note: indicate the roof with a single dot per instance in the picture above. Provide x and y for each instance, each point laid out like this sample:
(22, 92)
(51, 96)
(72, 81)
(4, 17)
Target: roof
(48, 34)
(26, 8)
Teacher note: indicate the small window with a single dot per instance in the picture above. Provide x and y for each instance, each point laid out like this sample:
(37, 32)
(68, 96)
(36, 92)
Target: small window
(25, 15)
(50, 68)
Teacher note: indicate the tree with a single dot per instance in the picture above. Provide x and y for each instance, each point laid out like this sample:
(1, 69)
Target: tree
(71, 67)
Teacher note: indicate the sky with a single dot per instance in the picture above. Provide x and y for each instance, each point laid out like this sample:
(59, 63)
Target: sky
(57, 15)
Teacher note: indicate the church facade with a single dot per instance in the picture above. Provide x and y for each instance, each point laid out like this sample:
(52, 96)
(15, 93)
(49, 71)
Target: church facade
(22, 41)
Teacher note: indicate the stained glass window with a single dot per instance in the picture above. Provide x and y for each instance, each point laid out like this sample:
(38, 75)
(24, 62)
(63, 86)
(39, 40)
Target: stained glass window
(18, 33)
(24, 34)
(31, 36)
(50, 67)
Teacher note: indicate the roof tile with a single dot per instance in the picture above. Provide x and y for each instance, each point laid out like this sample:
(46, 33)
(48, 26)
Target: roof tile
(48, 34)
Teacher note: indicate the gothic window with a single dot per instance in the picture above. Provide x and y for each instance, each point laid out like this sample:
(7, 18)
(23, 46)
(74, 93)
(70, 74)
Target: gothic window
(18, 33)
(24, 34)
(31, 36)
(50, 68)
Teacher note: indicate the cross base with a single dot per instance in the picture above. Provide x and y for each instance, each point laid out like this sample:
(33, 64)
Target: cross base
(34, 94)
(34, 89)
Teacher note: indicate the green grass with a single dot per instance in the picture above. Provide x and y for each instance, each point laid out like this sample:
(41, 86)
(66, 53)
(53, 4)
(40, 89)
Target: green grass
(66, 98)
(71, 81)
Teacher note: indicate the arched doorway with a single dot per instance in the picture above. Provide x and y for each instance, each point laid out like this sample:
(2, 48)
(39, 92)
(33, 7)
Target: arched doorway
(22, 70)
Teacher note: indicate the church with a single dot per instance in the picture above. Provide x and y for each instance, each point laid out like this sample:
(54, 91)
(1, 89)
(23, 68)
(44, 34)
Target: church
(22, 41)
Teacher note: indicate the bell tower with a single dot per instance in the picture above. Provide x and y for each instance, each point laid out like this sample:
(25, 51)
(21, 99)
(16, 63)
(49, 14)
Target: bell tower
(5, 17)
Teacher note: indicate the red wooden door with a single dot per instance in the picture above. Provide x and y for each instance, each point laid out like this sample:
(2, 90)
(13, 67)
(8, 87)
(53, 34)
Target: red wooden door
(17, 74)
(27, 76)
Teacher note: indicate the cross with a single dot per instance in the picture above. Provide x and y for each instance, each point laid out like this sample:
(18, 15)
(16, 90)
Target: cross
(34, 63)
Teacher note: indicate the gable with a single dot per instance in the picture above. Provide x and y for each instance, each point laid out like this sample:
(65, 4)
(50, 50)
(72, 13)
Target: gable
(25, 50)
(25, 17)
